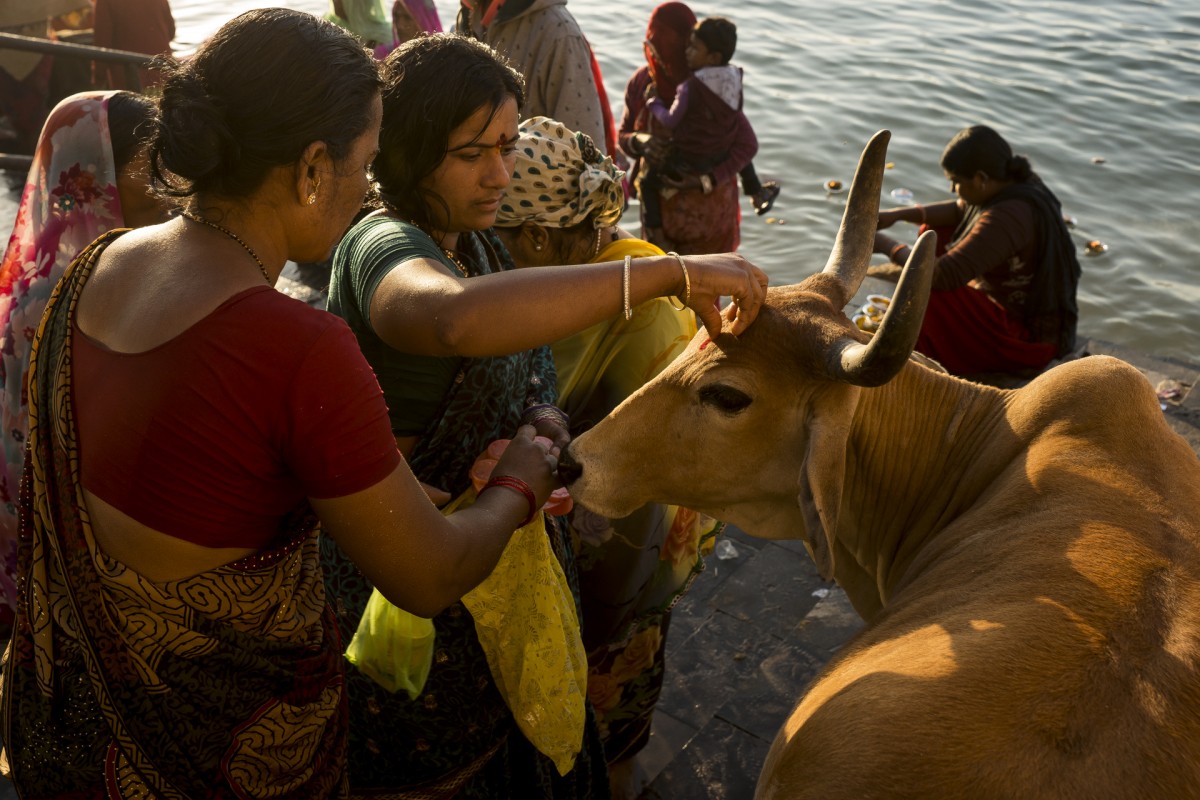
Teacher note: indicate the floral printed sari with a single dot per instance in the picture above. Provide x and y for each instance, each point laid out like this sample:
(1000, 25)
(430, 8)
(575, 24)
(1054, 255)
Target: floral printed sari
(70, 198)
(632, 570)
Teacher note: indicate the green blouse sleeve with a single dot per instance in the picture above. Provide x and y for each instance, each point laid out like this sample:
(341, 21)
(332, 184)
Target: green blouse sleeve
(413, 385)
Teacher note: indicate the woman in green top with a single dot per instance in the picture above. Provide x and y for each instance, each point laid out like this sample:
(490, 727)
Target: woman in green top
(458, 340)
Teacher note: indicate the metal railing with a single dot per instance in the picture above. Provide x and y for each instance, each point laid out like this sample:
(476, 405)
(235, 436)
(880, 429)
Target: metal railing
(87, 52)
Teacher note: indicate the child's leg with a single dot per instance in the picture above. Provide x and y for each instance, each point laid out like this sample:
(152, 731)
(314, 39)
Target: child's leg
(649, 186)
(764, 194)
(751, 185)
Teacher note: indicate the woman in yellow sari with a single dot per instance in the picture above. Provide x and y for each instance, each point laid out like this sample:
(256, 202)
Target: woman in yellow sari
(562, 207)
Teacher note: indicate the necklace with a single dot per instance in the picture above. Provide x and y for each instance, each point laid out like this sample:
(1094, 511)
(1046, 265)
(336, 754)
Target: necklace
(233, 236)
(458, 263)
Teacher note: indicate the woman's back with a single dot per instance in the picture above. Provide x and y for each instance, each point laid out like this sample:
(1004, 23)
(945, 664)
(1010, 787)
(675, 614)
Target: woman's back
(181, 472)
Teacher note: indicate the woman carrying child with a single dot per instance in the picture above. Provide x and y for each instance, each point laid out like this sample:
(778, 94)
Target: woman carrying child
(698, 216)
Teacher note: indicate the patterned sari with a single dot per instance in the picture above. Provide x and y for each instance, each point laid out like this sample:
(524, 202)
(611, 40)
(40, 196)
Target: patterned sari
(226, 684)
(458, 738)
(632, 570)
(70, 198)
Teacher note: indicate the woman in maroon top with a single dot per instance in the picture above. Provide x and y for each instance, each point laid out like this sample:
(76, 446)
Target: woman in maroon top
(186, 421)
(1004, 287)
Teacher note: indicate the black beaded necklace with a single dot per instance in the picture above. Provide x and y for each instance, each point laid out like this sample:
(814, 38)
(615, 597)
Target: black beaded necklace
(235, 237)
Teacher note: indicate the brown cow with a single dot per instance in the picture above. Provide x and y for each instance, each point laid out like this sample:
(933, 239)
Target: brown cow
(1026, 560)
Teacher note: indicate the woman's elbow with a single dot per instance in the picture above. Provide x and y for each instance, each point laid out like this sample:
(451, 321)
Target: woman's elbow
(426, 603)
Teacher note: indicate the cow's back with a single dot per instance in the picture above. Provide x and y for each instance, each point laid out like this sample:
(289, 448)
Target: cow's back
(1051, 648)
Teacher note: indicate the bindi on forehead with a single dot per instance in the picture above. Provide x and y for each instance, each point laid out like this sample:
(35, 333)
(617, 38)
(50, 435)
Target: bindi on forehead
(500, 143)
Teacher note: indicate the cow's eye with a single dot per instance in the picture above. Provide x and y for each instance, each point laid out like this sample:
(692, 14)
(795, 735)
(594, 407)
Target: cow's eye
(726, 398)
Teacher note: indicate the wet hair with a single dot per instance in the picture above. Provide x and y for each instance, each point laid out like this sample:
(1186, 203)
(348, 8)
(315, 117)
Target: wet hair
(981, 149)
(267, 85)
(719, 35)
(432, 85)
(130, 125)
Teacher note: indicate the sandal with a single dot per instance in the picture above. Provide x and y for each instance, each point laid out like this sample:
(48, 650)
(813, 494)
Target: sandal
(764, 198)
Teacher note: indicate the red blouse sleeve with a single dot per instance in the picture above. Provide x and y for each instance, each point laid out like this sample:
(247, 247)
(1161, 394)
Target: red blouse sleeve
(340, 439)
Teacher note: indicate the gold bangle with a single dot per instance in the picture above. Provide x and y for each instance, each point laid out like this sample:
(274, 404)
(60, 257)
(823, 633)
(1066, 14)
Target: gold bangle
(625, 285)
(687, 285)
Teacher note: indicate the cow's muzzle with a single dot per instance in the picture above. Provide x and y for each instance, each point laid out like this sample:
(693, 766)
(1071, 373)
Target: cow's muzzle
(569, 469)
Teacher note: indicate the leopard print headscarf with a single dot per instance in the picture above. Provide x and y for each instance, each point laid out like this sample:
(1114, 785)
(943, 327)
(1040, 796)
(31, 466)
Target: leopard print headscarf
(560, 179)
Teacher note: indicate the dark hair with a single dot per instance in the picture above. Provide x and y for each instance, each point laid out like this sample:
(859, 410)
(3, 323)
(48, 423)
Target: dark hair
(432, 84)
(981, 149)
(268, 84)
(130, 125)
(719, 35)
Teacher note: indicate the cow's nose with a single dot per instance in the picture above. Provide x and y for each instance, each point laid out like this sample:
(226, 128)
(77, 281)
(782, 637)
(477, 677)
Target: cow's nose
(568, 468)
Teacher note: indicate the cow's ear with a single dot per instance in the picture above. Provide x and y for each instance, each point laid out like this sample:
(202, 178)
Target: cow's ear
(823, 472)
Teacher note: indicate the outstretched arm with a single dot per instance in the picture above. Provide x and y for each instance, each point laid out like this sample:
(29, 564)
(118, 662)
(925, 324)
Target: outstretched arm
(421, 307)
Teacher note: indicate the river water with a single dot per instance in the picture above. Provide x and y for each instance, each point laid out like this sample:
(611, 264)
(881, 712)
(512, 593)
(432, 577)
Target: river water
(1103, 96)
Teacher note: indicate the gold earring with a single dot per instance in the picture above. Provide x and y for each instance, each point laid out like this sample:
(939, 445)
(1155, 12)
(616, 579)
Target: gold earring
(312, 198)
(537, 247)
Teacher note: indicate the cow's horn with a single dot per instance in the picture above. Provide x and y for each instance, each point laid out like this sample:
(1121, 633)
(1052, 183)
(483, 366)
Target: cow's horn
(856, 237)
(874, 363)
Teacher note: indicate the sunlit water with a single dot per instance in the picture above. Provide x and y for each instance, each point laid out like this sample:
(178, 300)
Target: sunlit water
(1068, 83)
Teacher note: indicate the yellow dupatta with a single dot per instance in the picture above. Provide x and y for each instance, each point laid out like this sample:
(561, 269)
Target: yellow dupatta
(612, 359)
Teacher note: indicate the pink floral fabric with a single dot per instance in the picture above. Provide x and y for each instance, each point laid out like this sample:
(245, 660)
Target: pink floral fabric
(70, 199)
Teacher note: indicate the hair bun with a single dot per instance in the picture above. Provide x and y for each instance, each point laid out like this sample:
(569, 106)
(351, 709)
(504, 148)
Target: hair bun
(194, 139)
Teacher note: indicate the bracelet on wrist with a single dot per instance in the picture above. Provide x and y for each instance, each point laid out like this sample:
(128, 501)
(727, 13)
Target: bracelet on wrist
(625, 287)
(545, 411)
(687, 285)
(519, 486)
(892, 253)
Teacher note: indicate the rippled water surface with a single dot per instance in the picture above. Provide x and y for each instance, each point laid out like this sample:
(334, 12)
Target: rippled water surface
(1067, 83)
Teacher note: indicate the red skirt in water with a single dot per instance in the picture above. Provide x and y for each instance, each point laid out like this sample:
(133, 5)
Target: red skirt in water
(968, 332)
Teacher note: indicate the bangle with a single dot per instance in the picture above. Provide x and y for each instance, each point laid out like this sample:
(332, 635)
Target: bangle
(892, 253)
(687, 285)
(921, 208)
(625, 286)
(536, 413)
(517, 485)
(706, 184)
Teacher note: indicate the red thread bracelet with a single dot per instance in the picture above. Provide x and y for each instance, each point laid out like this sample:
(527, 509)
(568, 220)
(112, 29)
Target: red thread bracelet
(517, 485)
(896, 249)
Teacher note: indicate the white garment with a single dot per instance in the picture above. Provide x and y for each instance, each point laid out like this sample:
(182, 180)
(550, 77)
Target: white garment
(725, 81)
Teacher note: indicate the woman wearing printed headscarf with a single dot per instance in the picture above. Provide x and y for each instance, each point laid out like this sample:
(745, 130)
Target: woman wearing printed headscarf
(88, 177)
(704, 219)
(632, 570)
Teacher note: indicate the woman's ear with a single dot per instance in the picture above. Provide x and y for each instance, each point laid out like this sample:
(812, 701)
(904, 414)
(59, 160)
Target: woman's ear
(313, 164)
(536, 238)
